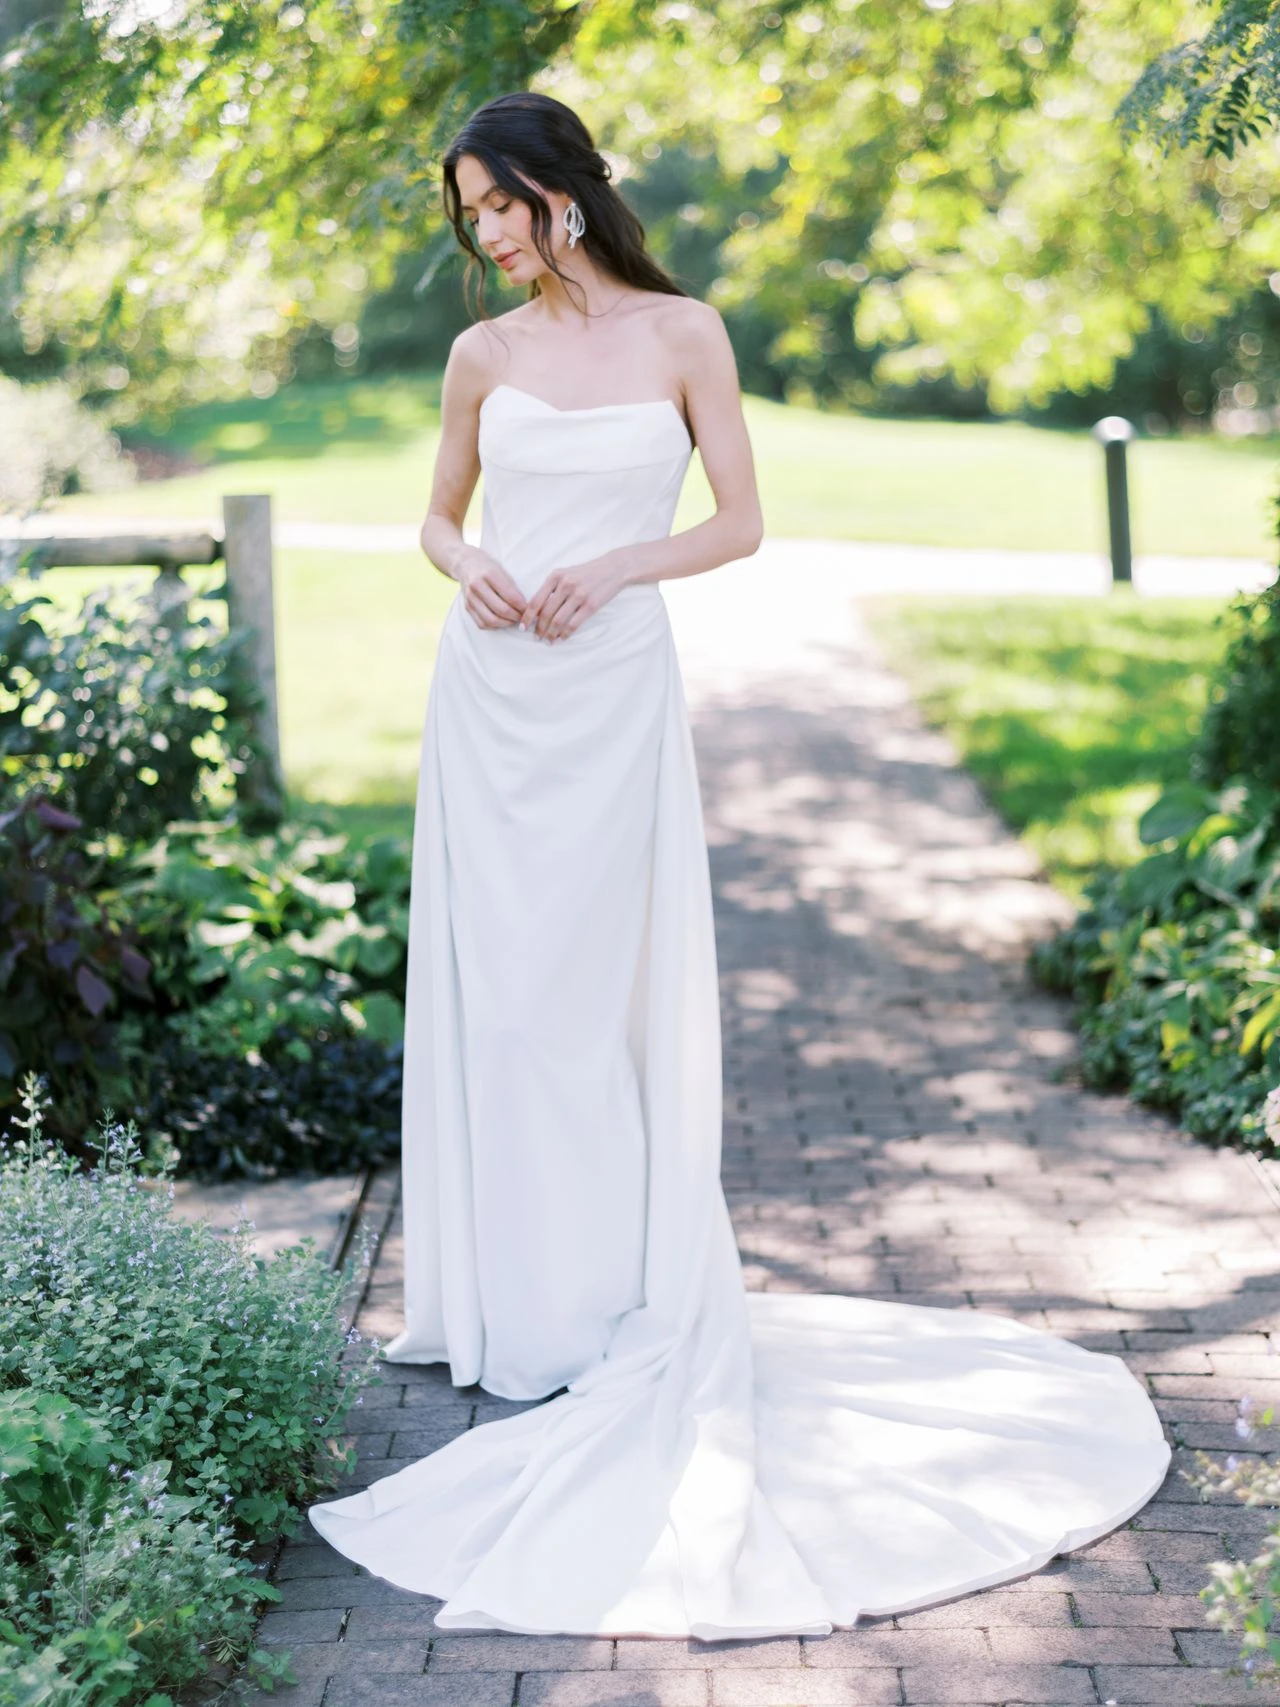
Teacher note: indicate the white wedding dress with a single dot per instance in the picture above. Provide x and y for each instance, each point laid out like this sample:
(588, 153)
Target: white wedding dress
(723, 1464)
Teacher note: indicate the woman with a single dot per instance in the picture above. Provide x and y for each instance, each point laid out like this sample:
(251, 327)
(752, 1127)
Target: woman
(721, 1464)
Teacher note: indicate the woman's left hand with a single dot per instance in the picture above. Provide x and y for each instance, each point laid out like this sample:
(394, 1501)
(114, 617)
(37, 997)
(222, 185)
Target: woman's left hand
(569, 596)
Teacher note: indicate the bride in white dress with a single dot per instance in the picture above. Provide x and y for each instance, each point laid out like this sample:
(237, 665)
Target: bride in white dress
(722, 1464)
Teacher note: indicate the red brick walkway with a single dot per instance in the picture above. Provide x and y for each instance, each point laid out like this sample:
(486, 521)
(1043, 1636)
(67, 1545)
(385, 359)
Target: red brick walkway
(902, 1122)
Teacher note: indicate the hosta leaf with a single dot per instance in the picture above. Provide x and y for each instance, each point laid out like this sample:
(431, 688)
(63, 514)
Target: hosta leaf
(1215, 825)
(339, 894)
(1176, 813)
(383, 1016)
(1156, 880)
(220, 933)
(1263, 1025)
(387, 862)
(379, 953)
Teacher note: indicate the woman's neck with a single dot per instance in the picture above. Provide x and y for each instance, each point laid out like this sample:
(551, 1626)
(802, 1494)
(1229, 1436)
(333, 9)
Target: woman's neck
(596, 293)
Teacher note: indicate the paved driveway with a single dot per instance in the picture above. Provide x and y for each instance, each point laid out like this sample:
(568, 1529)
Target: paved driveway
(902, 1121)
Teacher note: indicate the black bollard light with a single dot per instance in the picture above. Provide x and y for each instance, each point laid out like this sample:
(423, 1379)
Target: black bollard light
(1113, 433)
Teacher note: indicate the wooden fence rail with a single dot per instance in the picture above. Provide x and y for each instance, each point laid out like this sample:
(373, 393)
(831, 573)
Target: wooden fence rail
(245, 548)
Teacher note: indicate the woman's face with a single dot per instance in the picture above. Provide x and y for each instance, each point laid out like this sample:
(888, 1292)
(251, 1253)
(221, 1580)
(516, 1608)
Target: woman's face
(502, 225)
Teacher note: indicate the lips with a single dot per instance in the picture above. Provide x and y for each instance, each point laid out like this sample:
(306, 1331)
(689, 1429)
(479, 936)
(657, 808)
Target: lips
(506, 260)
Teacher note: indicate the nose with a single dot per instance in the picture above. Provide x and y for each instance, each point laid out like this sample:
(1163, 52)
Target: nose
(488, 227)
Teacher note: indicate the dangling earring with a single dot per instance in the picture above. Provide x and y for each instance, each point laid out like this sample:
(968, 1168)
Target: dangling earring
(574, 223)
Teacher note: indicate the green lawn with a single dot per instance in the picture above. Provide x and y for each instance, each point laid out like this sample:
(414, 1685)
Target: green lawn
(356, 641)
(1071, 713)
(362, 450)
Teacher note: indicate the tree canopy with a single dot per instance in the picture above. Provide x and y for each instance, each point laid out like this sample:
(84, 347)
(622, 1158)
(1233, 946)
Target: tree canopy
(1218, 91)
(923, 198)
(939, 188)
(186, 183)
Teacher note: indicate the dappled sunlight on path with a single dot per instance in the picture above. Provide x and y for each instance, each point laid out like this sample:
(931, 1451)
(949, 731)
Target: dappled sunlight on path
(902, 1121)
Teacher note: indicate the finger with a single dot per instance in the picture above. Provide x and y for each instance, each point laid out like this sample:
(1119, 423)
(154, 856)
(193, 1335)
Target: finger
(506, 600)
(566, 617)
(509, 592)
(481, 612)
(535, 606)
(494, 605)
(562, 596)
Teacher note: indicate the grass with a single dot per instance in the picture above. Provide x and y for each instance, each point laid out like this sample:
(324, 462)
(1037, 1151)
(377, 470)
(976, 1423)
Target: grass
(362, 451)
(356, 643)
(1071, 713)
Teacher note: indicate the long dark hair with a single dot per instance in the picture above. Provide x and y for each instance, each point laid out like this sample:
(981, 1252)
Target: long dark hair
(525, 136)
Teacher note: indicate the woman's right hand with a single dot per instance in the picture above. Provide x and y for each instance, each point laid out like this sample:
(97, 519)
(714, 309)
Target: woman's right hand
(491, 597)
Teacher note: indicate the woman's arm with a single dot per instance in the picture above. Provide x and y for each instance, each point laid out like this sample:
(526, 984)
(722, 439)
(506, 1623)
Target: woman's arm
(490, 595)
(703, 356)
(713, 403)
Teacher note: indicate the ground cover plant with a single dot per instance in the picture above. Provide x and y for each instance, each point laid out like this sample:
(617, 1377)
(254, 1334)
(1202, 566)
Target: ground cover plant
(233, 982)
(1242, 1596)
(166, 1401)
(1136, 744)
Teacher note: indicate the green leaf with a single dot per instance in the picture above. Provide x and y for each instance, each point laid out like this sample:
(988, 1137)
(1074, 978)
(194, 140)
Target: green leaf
(1176, 813)
(383, 1016)
(1263, 1025)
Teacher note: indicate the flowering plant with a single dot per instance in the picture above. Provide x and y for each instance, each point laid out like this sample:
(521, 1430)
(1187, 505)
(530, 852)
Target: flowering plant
(166, 1399)
(1242, 1595)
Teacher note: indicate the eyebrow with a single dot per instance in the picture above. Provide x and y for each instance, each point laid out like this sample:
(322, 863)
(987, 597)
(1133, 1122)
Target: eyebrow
(493, 190)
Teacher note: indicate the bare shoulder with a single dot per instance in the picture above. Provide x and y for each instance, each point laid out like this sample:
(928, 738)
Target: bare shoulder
(690, 327)
(697, 343)
(476, 354)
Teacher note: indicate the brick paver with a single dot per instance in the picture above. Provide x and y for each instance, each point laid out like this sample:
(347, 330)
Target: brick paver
(902, 1121)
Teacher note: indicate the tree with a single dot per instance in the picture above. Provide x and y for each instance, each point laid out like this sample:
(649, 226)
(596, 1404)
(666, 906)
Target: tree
(941, 194)
(182, 189)
(1217, 91)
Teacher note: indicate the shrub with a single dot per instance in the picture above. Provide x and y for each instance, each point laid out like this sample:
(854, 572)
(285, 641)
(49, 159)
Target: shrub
(63, 962)
(186, 1346)
(1242, 1595)
(112, 1588)
(250, 933)
(1177, 963)
(166, 1398)
(1240, 736)
(322, 1101)
(131, 713)
(279, 967)
(184, 967)
(239, 996)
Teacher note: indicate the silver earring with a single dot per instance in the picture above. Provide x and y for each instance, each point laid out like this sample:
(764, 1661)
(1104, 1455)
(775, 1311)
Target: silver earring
(574, 223)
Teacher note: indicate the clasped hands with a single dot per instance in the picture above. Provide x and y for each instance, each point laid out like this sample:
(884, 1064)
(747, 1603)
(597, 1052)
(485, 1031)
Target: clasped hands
(561, 604)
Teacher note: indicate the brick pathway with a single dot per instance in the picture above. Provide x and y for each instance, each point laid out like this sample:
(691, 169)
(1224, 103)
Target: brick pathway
(902, 1121)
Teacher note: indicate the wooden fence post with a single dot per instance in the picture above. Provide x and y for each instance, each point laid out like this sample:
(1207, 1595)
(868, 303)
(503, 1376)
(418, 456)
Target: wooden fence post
(246, 526)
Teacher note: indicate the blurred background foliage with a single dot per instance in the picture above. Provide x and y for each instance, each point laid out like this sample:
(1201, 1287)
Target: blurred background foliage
(927, 206)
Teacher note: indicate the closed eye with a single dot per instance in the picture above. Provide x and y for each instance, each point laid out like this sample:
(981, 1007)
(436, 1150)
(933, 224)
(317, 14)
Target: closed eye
(496, 209)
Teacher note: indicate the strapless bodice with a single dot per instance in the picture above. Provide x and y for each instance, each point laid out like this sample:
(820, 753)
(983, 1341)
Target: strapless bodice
(562, 486)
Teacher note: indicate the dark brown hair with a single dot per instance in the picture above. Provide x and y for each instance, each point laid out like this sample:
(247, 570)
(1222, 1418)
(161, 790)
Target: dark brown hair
(525, 136)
